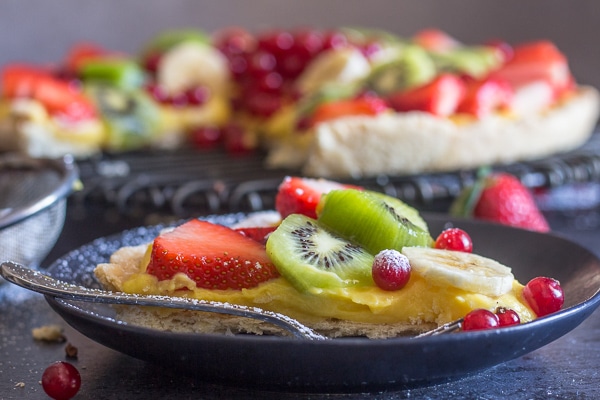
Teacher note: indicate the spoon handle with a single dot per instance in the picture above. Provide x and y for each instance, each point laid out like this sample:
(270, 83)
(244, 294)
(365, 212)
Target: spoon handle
(38, 282)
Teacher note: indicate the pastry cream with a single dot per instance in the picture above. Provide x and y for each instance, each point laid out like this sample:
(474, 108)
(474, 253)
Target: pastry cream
(419, 302)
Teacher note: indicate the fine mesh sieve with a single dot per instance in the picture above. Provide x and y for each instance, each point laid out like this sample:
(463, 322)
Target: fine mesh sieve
(33, 205)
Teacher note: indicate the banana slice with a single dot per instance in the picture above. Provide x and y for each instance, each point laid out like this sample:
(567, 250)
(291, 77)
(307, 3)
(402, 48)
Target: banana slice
(339, 66)
(466, 271)
(190, 64)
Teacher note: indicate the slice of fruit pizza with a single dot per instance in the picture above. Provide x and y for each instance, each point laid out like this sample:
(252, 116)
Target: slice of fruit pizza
(430, 103)
(363, 264)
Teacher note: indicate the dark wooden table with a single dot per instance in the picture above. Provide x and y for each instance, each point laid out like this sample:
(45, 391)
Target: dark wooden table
(565, 369)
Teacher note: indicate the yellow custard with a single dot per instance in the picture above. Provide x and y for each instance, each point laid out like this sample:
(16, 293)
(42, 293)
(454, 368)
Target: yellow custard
(418, 302)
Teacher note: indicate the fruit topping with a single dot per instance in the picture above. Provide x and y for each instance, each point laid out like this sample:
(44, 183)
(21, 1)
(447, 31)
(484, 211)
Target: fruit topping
(484, 97)
(466, 271)
(258, 233)
(373, 220)
(313, 259)
(536, 61)
(369, 106)
(502, 198)
(480, 319)
(544, 295)
(213, 256)
(454, 239)
(507, 317)
(191, 64)
(60, 98)
(298, 195)
(344, 66)
(119, 72)
(130, 117)
(412, 68)
(439, 97)
(61, 380)
(435, 40)
(391, 270)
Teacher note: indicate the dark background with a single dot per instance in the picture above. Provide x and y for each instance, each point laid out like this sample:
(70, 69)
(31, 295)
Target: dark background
(42, 30)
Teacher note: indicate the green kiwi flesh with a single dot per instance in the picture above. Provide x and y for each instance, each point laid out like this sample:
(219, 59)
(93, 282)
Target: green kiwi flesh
(414, 67)
(131, 118)
(314, 259)
(372, 220)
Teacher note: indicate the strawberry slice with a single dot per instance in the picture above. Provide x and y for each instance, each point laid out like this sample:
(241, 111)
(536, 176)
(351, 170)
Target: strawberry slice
(81, 53)
(343, 108)
(535, 61)
(298, 195)
(482, 97)
(257, 233)
(435, 40)
(214, 256)
(59, 97)
(439, 97)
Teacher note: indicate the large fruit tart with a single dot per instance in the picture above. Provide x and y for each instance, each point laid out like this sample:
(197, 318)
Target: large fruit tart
(344, 103)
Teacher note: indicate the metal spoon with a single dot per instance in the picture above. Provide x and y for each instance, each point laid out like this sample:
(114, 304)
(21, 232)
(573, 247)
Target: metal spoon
(38, 282)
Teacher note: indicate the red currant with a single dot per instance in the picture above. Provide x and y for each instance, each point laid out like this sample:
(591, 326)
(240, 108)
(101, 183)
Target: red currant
(61, 380)
(507, 317)
(206, 137)
(197, 96)
(234, 41)
(454, 239)
(263, 104)
(236, 141)
(334, 40)
(391, 270)
(544, 295)
(480, 319)
(276, 42)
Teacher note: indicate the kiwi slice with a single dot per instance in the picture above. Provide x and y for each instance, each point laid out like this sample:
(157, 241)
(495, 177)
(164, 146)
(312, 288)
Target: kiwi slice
(476, 61)
(313, 259)
(129, 116)
(122, 73)
(373, 220)
(165, 40)
(413, 68)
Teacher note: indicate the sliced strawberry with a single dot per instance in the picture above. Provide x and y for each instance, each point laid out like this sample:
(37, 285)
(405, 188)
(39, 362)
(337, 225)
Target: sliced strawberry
(298, 195)
(214, 256)
(344, 108)
(81, 53)
(534, 61)
(59, 97)
(257, 233)
(482, 97)
(435, 40)
(439, 97)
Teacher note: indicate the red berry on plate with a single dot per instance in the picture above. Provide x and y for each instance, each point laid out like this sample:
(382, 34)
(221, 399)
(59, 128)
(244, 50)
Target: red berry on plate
(480, 319)
(454, 239)
(61, 380)
(544, 295)
(391, 270)
(507, 317)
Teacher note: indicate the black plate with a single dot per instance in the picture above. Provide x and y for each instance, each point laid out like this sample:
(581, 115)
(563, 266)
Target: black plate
(353, 364)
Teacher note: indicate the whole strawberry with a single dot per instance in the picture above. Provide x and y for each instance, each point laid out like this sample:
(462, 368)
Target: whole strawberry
(502, 198)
